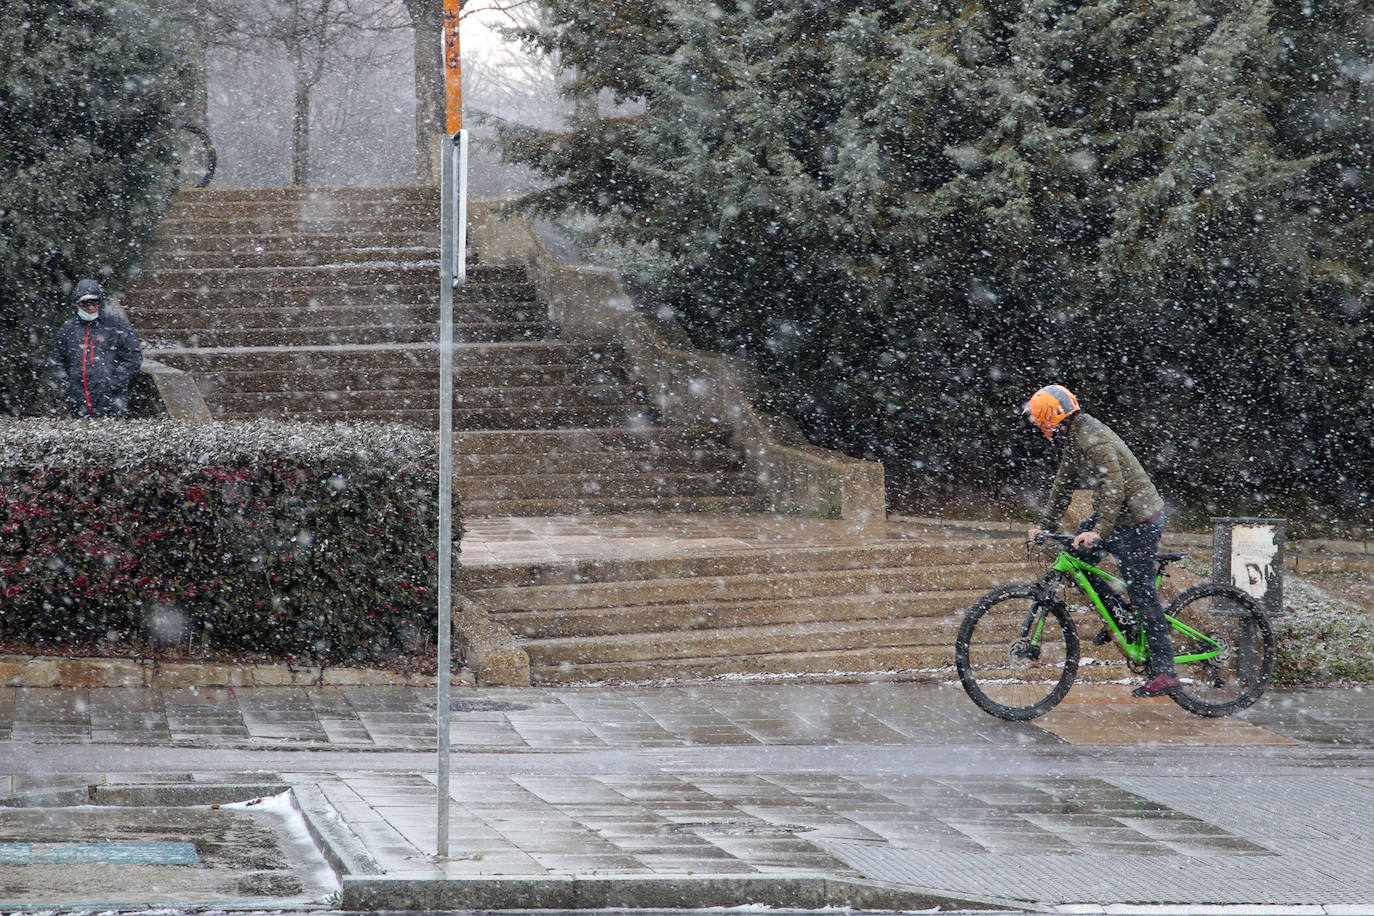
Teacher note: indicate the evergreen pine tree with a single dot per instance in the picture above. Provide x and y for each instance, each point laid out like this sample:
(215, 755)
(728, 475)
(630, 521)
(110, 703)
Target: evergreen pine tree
(1324, 107)
(912, 215)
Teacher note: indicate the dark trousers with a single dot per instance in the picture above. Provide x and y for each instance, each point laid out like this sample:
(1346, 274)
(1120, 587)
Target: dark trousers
(1135, 548)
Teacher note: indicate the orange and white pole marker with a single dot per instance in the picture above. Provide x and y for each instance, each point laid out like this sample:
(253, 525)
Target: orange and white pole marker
(453, 68)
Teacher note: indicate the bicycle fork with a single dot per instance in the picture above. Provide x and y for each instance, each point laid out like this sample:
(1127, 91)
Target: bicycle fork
(1027, 645)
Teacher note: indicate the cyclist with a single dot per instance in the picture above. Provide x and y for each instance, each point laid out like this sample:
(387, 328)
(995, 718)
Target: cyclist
(1127, 518)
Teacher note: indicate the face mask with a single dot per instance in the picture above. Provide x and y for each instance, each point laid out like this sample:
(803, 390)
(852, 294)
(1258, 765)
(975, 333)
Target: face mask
(88, 316)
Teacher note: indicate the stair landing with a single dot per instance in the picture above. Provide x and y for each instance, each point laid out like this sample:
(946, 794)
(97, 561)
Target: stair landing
(566, 538)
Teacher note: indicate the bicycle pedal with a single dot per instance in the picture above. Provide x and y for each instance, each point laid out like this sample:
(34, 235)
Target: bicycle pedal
(1102, 638)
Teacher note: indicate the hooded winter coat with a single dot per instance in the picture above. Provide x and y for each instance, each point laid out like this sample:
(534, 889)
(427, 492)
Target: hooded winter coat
(92, 363)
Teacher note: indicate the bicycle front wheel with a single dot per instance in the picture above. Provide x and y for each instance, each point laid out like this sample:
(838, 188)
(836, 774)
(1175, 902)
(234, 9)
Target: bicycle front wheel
(1223, 649)
(1016, 657)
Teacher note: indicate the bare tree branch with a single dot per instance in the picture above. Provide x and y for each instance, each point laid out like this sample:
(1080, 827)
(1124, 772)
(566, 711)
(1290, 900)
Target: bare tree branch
(314, 34)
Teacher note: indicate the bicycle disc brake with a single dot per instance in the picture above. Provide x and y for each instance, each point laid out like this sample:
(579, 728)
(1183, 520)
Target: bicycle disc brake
(1022, 652)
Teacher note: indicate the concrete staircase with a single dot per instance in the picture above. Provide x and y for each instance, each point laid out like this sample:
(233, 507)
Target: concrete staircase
(865, 602)
(321, 305)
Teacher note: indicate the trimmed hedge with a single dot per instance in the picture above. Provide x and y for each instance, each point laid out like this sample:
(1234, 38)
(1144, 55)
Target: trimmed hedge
(298, 540)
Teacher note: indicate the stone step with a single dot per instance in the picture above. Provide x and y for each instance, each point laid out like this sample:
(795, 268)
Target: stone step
(181, 268)
(512, 420)
(922, 659)
(630, 442)
(927, 659)
(163, 320)
(169, 257)
(339, 223)
(350, 217)
(870, 558)
(524, 508)
(190, 243)
(733, 642)
(570, 466)
(723, 614)
(228, 361)
(619, 485)
(215, 337)
(613, 399)
(538, 353)
(423, 289)
(747, 587)
(358, 203)
(220, 197)
(365, 273)
(411, 378)
(490, 356)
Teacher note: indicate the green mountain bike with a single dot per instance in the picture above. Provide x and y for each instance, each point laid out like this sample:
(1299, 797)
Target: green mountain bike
(1017, 651)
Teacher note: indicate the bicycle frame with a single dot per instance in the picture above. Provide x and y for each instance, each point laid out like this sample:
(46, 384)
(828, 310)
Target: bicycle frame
(1136, 650)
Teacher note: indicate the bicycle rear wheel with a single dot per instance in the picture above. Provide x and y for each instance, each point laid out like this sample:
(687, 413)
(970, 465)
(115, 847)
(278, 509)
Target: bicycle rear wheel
(1223, 629)
(1010, 667)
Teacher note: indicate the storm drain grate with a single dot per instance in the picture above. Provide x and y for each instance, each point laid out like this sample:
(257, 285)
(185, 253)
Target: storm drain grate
(98, 854)
(738, 828)
(487, 706)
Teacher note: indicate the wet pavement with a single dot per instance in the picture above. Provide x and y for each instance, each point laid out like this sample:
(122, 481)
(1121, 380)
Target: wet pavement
(870, 794)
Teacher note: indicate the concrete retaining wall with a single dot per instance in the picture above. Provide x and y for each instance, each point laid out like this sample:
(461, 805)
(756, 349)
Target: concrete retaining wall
(177, 390)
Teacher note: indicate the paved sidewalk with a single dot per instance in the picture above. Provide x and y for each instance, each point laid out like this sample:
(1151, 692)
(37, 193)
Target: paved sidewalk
(879, 795)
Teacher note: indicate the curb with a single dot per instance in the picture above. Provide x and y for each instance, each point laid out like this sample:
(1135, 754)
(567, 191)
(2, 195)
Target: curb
(53, 671)
(596, 892)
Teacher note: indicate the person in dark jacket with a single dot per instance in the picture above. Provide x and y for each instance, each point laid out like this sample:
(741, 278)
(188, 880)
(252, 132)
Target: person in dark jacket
(95, 356)
(1127, 518)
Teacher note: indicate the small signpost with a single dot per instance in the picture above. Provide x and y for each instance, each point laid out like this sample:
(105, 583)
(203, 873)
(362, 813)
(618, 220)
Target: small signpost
(1248, 553)
(452, 273)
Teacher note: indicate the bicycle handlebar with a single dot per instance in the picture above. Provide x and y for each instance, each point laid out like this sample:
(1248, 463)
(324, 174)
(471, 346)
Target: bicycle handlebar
(1091, 554)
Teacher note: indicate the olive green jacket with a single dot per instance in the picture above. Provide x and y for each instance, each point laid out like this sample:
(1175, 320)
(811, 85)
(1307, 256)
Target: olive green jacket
(1095, 458)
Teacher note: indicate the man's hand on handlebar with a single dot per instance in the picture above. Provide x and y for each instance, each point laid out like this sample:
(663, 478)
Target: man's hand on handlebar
(1087, 540)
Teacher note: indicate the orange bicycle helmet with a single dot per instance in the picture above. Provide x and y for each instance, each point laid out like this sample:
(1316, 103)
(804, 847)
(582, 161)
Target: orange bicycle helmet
(1049, 407)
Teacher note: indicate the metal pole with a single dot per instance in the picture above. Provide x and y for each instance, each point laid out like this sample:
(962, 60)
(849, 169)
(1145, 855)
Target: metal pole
(447, 253)
(460, 269)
